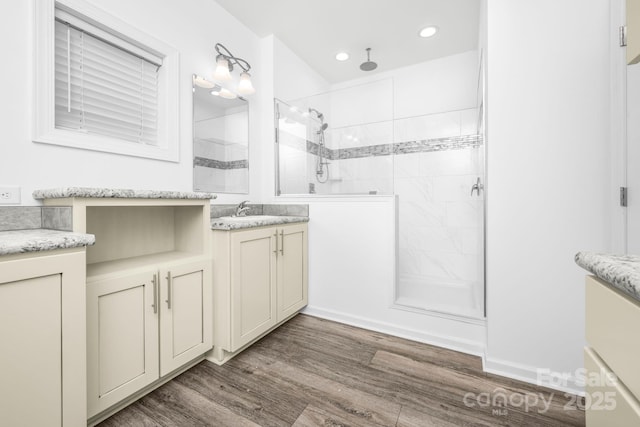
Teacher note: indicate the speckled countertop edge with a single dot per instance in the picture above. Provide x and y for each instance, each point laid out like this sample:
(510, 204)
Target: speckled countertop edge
(621, 271)
(89, 192)
(38, 240)
(227, 224)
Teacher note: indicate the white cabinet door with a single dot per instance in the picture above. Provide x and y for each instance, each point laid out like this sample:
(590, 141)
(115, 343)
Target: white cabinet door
(31, 356)
(186, 314)
(292, 270)
(122, 338)
(253, 284)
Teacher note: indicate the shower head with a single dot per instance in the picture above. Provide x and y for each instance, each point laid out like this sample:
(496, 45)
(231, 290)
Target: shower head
(324, 126)
(318, 113)
(369, 65)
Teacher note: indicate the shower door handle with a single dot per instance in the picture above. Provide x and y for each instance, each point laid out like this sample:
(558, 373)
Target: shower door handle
(477, 187)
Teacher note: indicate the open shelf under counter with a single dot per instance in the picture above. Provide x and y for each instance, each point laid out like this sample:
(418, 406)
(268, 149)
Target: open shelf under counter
(120, 267)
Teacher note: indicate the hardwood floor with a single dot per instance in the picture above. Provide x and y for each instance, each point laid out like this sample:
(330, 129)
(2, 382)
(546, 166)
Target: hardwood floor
(313, 372)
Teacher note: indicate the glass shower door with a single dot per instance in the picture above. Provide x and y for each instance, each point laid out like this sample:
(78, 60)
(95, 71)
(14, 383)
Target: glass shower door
(439, 182)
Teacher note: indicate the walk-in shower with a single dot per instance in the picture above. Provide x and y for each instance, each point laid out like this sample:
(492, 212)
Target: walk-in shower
(419, 140)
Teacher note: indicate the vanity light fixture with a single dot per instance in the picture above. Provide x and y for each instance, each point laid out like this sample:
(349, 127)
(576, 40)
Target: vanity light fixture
(342, 56)
(224, 65)
(428, 31)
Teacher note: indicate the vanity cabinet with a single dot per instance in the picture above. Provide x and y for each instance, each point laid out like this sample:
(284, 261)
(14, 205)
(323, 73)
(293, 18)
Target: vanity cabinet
(611, 356)
(260, 281)
(149, 303)
(292, 271)
(633, 31)
(143, 326)
(42, 362)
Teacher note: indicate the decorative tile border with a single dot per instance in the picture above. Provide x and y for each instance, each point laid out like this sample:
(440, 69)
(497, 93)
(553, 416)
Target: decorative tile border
(220, 164)
(408, 147)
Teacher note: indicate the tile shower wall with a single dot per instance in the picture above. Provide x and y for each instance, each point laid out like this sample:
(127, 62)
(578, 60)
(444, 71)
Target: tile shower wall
(440, 227)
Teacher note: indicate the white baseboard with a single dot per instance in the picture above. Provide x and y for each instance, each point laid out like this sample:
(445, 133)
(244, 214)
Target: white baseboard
(529, 374)
(475, 348)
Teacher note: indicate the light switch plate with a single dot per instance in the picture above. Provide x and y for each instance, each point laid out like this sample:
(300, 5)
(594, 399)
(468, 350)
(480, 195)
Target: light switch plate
(9, 195)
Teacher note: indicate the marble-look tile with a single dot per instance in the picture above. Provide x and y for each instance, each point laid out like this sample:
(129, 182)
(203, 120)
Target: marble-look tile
(431, 126)
(209, 179)
(428, 214)
(20, 217)
(472, 239)
(57, 218)
(435, 239)
(362, 135)
(449, 267)
(454, 188)
(451, 162)
(409, 262)
(464, 214)
(414, 189)
(406, 165)
(469, 121)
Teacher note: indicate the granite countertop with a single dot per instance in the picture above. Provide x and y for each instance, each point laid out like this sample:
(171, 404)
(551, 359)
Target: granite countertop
(88, 192)
(37, 240)
(621, 271)
(252, 221)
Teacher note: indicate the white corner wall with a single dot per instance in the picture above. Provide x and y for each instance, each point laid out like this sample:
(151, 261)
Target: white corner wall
(548, 178)
(191, 26)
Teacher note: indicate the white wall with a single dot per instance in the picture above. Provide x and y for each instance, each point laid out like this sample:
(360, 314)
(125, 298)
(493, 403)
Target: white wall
(548, 177)
(444, 84)
(190, 26)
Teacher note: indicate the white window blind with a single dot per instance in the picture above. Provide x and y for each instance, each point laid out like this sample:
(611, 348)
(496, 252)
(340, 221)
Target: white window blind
(102, 88)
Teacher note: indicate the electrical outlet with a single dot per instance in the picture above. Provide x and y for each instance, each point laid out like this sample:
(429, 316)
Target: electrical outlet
(9, 195)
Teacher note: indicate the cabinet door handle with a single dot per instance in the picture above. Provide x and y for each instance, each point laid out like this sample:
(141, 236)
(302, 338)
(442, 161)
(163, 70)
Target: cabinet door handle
(155, 293)
(168, 300)
(276, 236)
(282, 242)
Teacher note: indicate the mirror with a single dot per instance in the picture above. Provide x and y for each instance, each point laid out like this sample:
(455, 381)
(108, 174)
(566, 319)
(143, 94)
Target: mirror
(220, 139)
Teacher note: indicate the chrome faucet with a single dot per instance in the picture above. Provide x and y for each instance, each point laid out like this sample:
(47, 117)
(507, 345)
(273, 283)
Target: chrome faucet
(242, 209)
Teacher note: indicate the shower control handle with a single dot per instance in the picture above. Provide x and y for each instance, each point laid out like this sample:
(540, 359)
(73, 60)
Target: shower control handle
(478, 186)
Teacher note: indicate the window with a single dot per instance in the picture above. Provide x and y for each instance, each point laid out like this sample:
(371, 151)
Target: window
(102, 85)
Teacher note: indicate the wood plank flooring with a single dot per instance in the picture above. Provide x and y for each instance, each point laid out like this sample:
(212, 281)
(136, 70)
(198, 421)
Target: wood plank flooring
(313, 372)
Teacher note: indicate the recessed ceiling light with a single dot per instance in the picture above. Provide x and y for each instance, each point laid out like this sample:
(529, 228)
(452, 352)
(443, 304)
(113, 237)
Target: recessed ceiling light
(342, 56)
(428, 31)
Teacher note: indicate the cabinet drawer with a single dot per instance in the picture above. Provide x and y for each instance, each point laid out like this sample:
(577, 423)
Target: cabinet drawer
(612, 321)
(608, 405)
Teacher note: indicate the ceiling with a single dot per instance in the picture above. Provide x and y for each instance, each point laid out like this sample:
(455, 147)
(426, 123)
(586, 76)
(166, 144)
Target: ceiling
(318, 29)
